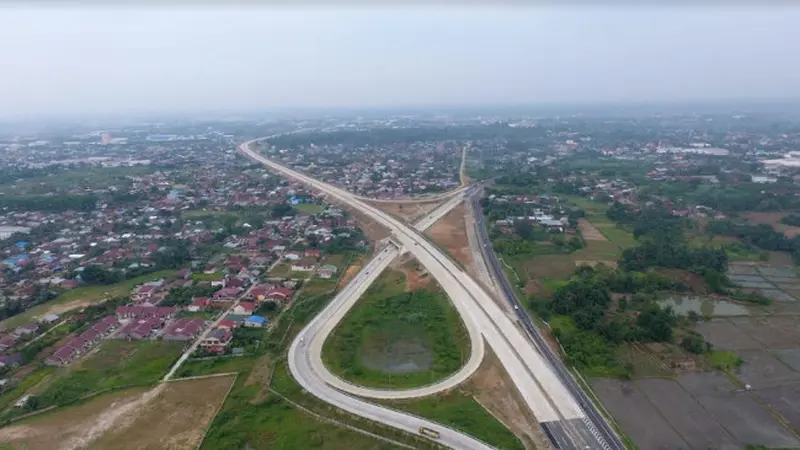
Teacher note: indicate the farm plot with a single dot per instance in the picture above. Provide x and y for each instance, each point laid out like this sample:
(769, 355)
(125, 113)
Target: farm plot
(589, 232)
(724, 335)
(685, 415)
(773, 332)
(777, 283)
(638, 417)
(761, 369)
(784, 400)
(737, 411)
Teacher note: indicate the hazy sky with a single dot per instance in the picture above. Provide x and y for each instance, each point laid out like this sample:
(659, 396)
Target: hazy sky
(116, 60)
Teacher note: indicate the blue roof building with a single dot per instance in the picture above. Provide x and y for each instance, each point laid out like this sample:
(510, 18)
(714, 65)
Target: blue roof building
(255, 321)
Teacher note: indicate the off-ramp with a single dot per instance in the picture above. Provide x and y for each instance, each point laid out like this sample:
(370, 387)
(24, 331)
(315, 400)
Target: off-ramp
(549, 400)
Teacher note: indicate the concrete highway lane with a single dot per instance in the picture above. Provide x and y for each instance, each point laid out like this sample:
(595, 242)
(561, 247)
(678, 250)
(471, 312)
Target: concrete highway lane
(540, 387)
(301, 366)
(347, 298)
(596, 425)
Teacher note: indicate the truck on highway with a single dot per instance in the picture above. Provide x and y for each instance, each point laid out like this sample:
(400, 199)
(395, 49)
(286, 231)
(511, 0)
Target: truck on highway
(429, 433)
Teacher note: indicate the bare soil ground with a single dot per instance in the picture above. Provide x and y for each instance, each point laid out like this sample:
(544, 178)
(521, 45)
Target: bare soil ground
(171, 416)
(351, 271)
(408, 212)
(592, 263)
(372, 230)
(416, 276)
(590, 233)
(494, 391)
(694, 281)
(774, 220)
(450, 233)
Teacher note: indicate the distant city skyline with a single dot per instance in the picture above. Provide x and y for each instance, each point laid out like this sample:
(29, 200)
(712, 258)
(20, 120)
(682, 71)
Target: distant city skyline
(117, 61)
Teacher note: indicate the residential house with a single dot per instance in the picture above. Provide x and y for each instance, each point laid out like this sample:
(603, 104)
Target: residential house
(255, 322)
(217, 340)
(199, 304)
(183, 329)
(184, 274)
(12, 360)
(327, 271)
(312, 253)
(244, 308)
(27, 330)
(304, 265)
(138, 312)
(228, 323)
(292, 256)
(259, 292)
(226, 294)
(281, 295)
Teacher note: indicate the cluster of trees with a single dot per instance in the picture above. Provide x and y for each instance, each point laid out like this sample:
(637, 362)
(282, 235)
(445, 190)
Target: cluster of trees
(100, 275)
(762, 235)
(791, 220)
(49, 203)
(525, 230)
(183, 295)
(731, 198)
(655, 221)
(586, 300)
(676, 256)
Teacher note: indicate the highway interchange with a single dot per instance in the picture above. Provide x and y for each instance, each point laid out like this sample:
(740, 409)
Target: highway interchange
(555, 401)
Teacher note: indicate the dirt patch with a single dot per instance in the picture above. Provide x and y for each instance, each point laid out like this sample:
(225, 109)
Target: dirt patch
(592, 263)
(533, 287)
(589, 231)
(493, 389)
(773, 219)
(450, 233)
(175, 419)
(171, 416)
(372, 230)
(408, 212)
(57, 429)
(69, 306)
(780, 259)
(350, 273)
(416, 276)
(694, 281)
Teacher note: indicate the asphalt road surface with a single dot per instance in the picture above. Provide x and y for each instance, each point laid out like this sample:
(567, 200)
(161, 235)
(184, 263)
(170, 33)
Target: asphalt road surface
(551, 401)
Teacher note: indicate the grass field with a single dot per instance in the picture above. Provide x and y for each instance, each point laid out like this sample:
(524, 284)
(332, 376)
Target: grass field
(724, 360)
(195, 368)
(116, 364)
(310, 208)
(317, 286)
(561, 266)
(208, 276)
(84, 296)
(274, 424)
(459, 410)
(596, 214)
(11, 395)
(392, 338)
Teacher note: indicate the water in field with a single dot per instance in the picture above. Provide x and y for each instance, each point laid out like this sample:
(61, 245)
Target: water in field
(398, 356)
(705, 306)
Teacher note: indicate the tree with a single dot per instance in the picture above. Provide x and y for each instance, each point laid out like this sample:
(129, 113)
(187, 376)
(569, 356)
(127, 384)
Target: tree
(695, 343)
(99, 275)
(655, 323)
(524, 229)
